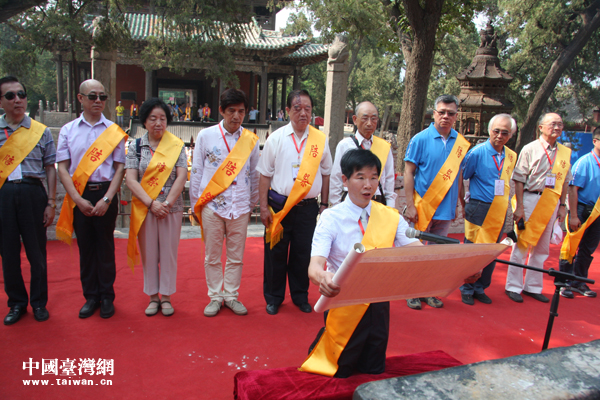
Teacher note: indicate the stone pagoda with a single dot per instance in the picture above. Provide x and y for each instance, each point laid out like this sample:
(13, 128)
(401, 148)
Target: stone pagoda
(483, 86)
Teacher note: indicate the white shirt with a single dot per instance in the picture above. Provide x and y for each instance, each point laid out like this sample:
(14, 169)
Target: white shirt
(388, 177)
(280, 154)
(210, 151)
(253, 114)
(74, 140)
(338, 231)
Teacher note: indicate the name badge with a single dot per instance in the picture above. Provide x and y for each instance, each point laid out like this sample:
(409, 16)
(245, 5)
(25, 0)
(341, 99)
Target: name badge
(550, 181)
(16, 174)
(498, 187)
(295, 170)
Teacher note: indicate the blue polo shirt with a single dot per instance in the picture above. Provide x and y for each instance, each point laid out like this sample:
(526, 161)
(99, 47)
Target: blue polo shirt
(586, 176)
(428, 152)
(479, 166)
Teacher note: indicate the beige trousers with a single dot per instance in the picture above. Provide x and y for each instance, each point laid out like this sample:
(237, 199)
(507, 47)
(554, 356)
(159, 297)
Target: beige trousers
(223, 286)
(159, 241)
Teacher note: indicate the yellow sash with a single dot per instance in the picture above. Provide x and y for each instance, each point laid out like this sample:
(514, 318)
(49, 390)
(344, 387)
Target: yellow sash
(17, 147)
(97, 153)
(489, 231)
(159, 169)
(313, 152)
(381, 149)
(444, 179)
(571, 241)
(540, 217)
(228, 170)
(342, 321)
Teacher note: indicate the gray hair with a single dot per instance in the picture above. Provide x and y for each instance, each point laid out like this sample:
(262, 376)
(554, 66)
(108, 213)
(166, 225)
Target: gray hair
(446, 99)
(513, 123)
(364, 102)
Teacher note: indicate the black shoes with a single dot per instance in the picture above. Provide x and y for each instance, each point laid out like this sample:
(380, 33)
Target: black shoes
(467, 299)
(14, 315)
(88, 308)
(514, 296)
(272, 309)
(537, 296)
(305, 307)
(41, 314)
(566, 292)
(107, 309)
(482, 297)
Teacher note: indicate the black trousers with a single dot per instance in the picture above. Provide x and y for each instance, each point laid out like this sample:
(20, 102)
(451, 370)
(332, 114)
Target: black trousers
(291, 256)
(22, 209)
(365, 352)
(96, 242)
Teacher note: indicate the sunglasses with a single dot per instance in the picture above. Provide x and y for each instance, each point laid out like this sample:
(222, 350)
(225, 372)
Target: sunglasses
(94, 97)
(448, 113)
(11, 95)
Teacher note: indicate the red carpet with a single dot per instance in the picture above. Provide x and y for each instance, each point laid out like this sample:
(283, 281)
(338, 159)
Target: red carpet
(191, 356)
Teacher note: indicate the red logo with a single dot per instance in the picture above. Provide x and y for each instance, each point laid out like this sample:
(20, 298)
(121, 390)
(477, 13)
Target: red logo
(95, 154)
(153, 181)
(304, 180)
(8, 159)
(447, 176)
(206, 198)
(229, 168)
(161, 167)
(314, 150)
(459, 151)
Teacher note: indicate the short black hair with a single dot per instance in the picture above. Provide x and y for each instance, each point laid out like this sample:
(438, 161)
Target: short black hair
(232, 97)
(356, 159)
(9, 79)
(150, 105)
(297, 93)
(596, 134)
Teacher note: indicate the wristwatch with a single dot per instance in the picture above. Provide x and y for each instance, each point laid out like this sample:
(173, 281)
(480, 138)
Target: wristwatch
(106, 200)
(51, 205)
(167, 203)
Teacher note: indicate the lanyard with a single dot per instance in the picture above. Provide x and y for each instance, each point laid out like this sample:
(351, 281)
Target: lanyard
(362, 229)
(498, 167)
(547, 155)
(6, 133)
(296, 144)
(223, 134)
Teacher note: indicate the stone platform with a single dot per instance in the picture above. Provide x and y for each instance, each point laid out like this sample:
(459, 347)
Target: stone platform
(562, 373)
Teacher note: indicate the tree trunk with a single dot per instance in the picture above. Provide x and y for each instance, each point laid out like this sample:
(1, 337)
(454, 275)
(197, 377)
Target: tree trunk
(591, 22)
(424, 24)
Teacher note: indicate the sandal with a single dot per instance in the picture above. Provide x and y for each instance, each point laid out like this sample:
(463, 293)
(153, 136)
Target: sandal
(153, 308)
(167, 312)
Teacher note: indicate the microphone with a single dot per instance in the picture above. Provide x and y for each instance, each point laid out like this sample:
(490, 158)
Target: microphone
(430, 237)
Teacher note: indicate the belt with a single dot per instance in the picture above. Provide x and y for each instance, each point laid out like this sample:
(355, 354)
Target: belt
(29, 181)
(538, 192)
(306, 201)
(94, 186)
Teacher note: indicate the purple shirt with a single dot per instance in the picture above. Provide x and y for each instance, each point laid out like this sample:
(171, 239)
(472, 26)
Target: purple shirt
(75, 139)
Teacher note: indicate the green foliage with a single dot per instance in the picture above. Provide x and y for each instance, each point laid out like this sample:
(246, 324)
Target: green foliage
(536, 32)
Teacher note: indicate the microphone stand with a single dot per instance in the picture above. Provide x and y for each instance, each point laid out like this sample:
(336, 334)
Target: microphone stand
(559, 281)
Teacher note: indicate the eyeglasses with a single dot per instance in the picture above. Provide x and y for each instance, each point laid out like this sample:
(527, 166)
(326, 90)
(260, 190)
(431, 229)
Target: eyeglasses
(555, 124)
(94, 97)
(366, 119)
(499, 132)
(448, 113)
(11, 95)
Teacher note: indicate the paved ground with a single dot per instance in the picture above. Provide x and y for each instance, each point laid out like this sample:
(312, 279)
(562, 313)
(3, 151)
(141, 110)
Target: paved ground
(193, 232)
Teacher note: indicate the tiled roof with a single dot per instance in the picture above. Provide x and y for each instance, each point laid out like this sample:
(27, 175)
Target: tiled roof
(142, 26)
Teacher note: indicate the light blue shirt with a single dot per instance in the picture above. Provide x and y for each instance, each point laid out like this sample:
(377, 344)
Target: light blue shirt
(482, 170)
(586, 176)
(428, 152)
(338, 231)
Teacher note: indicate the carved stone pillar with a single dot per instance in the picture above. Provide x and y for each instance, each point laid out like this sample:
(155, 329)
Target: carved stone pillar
(104, 69)
(336, 91)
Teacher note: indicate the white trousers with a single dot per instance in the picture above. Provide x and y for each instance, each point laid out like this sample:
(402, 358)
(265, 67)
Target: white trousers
(223, 286)
(534, 280)
(159, 241)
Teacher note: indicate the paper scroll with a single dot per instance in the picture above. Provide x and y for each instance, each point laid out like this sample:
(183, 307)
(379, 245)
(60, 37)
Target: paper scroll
(407, 272)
